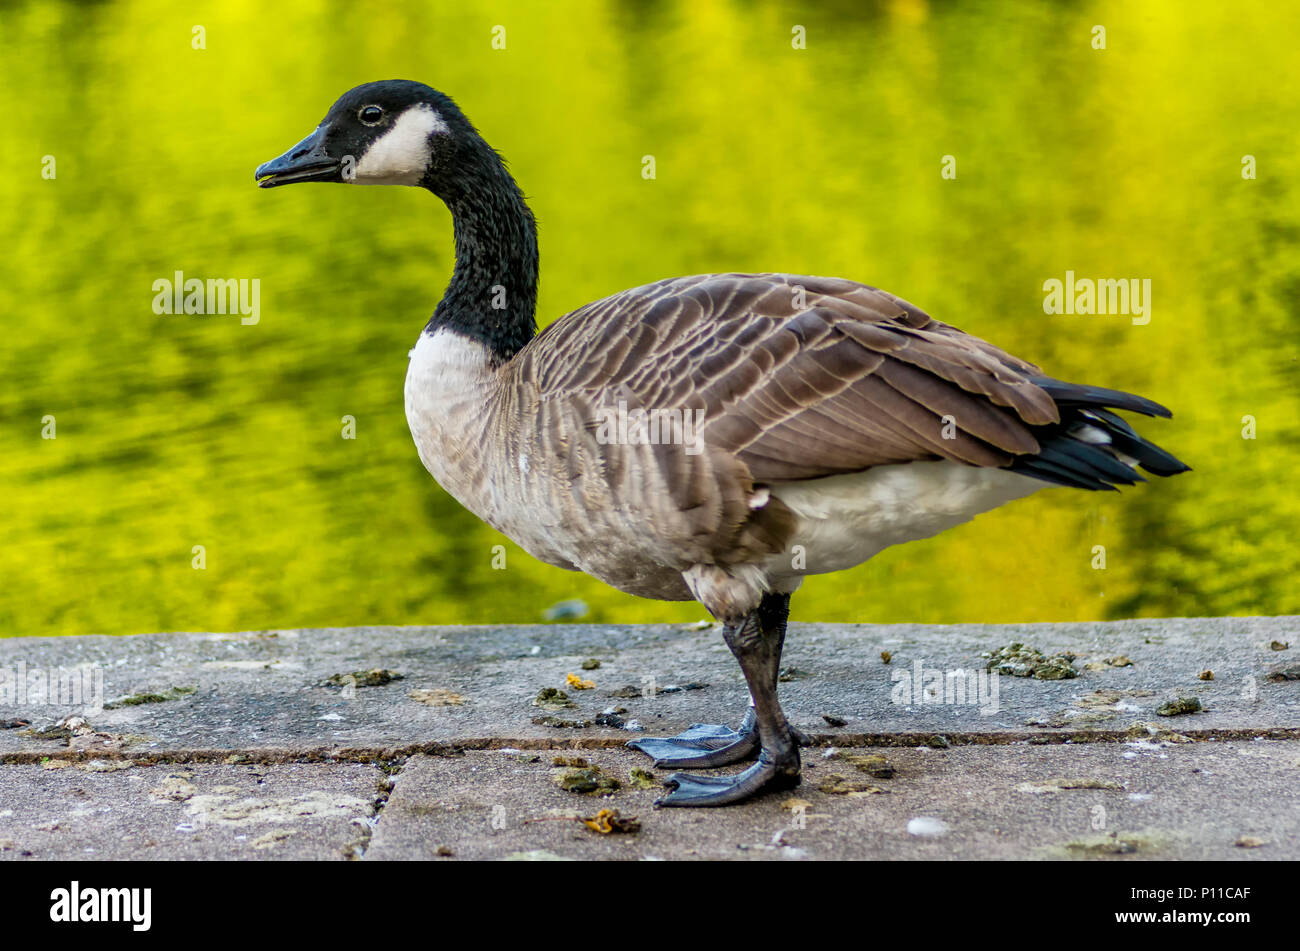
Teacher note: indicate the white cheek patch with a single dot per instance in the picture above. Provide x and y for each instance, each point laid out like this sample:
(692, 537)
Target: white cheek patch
(401, 155)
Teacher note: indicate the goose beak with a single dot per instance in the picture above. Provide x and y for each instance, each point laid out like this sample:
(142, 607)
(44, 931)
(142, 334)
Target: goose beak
(305, 162)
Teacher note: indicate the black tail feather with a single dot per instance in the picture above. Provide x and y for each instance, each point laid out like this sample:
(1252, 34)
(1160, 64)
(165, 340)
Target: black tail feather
(1080, 394)
(1148, 455)
(1040, 468)
(1092, 447)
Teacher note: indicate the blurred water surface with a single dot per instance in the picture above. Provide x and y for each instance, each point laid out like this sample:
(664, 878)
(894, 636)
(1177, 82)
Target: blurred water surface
(179, 431)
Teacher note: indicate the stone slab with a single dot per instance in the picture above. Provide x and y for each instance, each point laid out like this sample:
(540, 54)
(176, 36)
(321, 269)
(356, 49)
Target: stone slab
(265, 694)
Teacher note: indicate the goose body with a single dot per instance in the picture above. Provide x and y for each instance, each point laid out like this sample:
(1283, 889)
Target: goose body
(716, 437)
(518, 444)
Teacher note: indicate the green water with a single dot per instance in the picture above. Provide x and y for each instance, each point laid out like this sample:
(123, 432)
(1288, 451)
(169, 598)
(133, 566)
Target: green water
(181, 431)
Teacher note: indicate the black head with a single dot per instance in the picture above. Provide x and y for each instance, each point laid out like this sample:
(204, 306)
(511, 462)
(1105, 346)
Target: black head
(394, 132)
(404, 133)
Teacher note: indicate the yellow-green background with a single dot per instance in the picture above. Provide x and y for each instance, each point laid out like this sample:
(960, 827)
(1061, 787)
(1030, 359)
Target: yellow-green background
(183, 431)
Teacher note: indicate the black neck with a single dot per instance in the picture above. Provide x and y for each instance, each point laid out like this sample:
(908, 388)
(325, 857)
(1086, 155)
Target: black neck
(492, 296)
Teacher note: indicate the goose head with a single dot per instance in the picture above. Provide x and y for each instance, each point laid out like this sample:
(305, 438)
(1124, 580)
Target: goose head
(399, 132)
(394, 132)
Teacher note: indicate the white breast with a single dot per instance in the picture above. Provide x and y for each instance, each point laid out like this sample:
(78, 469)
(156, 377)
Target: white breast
(447, 383)
(453, 408)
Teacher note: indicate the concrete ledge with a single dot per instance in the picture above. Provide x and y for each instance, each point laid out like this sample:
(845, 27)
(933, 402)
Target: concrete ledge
(214, 742)
(267, 694)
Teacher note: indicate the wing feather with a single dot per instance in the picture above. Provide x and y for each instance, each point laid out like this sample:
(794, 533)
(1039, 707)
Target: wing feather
(797, 376)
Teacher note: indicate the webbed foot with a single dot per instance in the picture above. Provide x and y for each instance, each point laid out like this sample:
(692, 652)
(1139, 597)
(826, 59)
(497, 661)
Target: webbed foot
(767, 775)
(702, 745)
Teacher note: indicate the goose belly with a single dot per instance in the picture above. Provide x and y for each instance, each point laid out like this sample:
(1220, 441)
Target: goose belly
(586, 527)
(845, 520)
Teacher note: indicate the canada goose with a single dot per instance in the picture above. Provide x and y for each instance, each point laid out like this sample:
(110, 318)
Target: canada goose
(834, 419)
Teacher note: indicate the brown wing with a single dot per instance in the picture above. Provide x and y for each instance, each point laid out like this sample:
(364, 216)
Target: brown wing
(798, 377)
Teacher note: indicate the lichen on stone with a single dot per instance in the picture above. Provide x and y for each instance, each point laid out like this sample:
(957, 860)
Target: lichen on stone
(552, 698)
(437, 697)
(1179, 706)
(138, 699)
(837, 785)
(643, 779)
(587, 781)
(374, 677)
(873, 764)
(1018, 660)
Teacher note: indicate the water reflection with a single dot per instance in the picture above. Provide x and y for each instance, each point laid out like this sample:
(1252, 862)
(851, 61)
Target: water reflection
(183, 430)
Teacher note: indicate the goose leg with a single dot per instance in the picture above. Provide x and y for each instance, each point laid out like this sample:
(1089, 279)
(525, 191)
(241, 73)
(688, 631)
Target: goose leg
(704, 745)
(756, 643)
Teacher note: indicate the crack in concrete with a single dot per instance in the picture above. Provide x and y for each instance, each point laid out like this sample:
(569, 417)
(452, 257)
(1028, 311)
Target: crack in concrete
(356, 850)
(399, 754)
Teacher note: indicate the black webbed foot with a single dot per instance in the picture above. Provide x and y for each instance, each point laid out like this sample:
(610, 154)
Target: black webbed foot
(766, 775)
(756, 641)
(702, 745)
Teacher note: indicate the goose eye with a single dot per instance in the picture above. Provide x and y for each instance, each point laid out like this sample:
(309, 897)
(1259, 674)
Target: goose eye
(371, 115)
